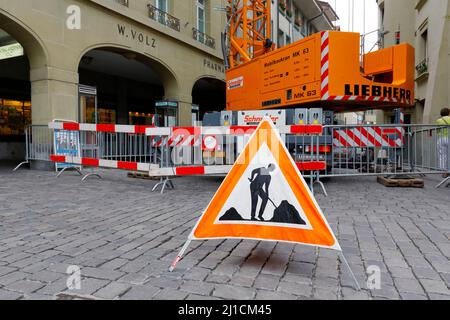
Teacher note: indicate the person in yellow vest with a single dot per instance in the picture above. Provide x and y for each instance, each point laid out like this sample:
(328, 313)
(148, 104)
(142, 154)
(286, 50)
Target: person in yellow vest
(444, 141)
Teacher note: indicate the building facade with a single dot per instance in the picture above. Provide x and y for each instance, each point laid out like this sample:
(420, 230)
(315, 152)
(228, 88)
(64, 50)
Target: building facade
(425, 25)
(121, 61)
(293, 20)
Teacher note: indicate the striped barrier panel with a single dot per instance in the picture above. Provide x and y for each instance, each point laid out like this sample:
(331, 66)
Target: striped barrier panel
(167, 131)
(171, 137)
(156, 171)
(368, 137)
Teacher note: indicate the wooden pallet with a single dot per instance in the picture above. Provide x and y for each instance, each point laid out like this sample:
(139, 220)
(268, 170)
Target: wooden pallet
(142, 175)
(401, 182)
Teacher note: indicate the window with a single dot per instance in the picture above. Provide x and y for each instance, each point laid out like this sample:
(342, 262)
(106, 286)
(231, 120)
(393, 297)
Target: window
(288, 39)
(14, 116)
(201, 16)
(298, 19)
(162, 5)
(280, 38)
(271, 30)
(424, 45)
(304, 29)
(422, 55)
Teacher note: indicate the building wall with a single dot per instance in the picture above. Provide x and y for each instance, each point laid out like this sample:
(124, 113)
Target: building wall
(54, 51)
(417, 18)
(296, 25)
(397, 15)
(433, 85)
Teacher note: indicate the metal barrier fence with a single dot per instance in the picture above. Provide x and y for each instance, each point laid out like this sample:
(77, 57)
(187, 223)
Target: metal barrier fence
(329, 151)
(161, 152)
(109, 146)
(38, 144)
(387, 150)
(213, 150)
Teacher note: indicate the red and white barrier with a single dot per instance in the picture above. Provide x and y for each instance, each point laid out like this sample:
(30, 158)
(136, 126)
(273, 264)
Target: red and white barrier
(368, 137)
(176, 137)
(111, 164)
(110, 128)
(156, 171)
(231, 130)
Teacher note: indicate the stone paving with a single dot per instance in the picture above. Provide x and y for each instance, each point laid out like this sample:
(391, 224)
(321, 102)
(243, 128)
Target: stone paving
(123, 237)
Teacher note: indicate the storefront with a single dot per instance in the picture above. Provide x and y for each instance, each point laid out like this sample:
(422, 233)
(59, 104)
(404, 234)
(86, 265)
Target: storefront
(15, 97)
(116, 64)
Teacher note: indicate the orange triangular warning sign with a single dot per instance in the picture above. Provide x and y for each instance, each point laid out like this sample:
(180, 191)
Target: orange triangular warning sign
(265, 197)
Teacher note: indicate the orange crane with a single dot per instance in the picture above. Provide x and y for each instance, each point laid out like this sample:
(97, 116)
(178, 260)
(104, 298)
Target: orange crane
(325, 70)
(249, 25)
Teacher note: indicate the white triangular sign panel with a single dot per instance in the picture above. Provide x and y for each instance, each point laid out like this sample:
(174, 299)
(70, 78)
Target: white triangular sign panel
(264, 197)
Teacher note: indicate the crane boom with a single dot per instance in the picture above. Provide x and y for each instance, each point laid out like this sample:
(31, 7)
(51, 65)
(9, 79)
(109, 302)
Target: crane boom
(249, 30)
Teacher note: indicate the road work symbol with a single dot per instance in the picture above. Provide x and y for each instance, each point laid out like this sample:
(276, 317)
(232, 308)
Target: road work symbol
(264, 197)
(260, 191)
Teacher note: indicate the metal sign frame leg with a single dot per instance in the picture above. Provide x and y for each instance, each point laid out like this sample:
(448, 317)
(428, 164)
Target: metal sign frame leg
(67, 168)
(188, 242)
(91, 175)
(164, 181)
(20, 165)
(180, 255)
(343, 259)
(445, 182)
(27, 152)
(316, 179)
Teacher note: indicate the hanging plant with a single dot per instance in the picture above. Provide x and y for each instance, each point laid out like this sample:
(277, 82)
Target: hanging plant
(282, 5)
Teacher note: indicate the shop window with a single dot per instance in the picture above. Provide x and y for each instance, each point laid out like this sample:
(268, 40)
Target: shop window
(14, 117)
(141, 119)
(107, 116)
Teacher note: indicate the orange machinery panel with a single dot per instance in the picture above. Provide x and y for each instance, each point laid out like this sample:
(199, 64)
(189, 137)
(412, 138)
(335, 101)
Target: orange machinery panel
(324, 70)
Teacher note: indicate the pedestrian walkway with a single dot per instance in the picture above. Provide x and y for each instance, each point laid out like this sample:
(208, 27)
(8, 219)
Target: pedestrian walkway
(123, 237)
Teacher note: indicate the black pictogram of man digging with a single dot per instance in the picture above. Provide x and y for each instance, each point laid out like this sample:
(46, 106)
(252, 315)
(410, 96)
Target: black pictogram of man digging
(259, 189)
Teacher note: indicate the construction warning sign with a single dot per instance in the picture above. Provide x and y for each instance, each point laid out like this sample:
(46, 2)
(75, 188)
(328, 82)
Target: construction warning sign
(264, 197)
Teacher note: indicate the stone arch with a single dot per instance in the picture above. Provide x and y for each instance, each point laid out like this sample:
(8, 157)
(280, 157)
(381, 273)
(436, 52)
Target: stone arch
(17, 102)
(167, 74)
(129, 82)
(34, 47)
(209, 93)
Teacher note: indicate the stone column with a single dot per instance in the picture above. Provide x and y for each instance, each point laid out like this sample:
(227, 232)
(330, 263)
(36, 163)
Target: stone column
(54, 95)
(184, 97)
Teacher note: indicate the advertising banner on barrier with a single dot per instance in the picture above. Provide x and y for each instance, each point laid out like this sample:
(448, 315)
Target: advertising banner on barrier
(67, 143)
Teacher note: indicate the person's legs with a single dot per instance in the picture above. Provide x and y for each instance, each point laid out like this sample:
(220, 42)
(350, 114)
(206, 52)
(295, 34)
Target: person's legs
(265, 199)
(446, 155)
(442, 153)
(254, 194)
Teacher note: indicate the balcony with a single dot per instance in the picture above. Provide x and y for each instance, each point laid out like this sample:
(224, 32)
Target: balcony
(420, 4)
(203, 38)
(422, 69)
(163, 18)
(123, 2)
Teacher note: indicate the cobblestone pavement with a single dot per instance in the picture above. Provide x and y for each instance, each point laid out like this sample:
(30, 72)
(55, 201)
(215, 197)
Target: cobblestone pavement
(124, 238)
